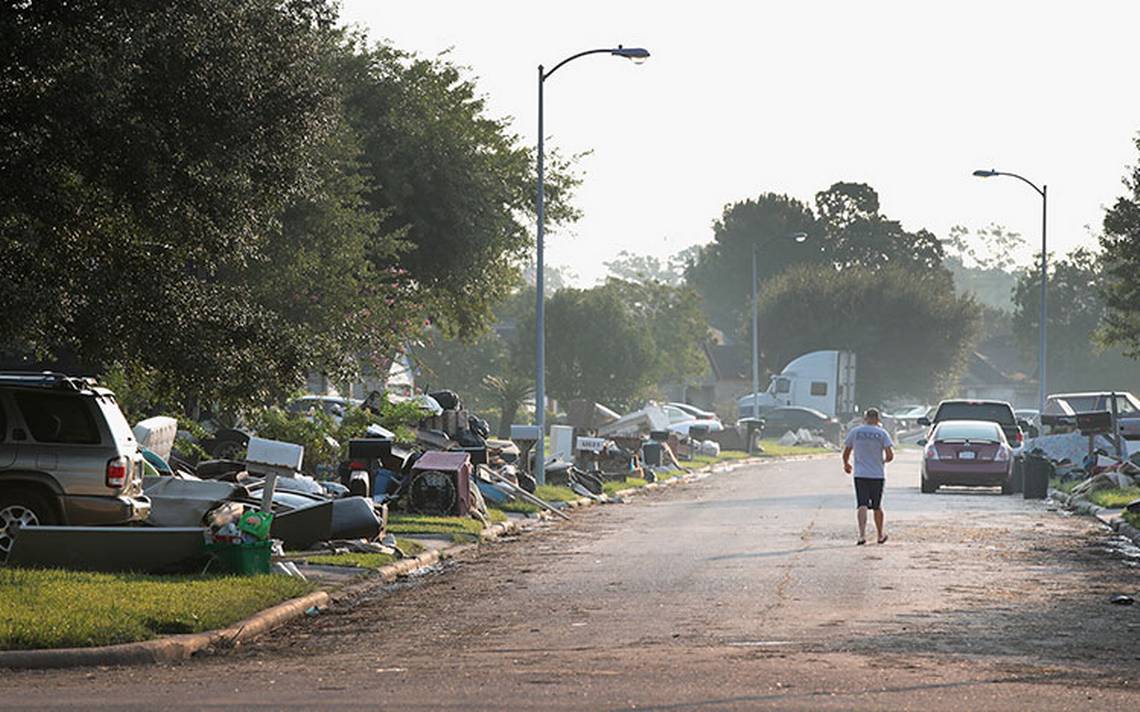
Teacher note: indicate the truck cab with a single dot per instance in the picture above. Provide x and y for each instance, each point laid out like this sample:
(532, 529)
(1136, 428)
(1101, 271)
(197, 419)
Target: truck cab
(822, 380)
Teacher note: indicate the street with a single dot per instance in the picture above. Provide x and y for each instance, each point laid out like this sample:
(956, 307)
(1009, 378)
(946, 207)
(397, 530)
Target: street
(741, 591)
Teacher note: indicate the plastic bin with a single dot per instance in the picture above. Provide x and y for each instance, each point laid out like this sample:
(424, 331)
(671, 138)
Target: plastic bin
(248, 559)
(653, 453)
(1037, 473)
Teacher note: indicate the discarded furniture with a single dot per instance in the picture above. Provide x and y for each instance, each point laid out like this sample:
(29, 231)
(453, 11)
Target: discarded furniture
(440, 484)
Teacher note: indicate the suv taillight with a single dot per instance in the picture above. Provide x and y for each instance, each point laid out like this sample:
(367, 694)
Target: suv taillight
(118, 472)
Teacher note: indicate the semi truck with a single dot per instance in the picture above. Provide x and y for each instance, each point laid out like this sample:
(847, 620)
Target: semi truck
(823, 380)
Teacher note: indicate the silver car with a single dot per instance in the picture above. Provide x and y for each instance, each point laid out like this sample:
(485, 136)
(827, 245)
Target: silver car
(67, 456)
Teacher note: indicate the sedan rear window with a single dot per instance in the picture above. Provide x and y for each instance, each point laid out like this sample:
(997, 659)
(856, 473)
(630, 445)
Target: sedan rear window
(956, 430)
(55, 418)
(995, 412)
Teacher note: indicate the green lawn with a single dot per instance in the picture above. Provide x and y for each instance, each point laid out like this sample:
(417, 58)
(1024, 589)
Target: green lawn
(458, 528)
(772, 448)
(1114, 498)
(1066, 486)
(52, 608)
(611, 487)
(365, 560)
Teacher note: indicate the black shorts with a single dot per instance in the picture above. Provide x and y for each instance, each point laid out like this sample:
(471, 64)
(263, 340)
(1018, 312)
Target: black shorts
(869, 492)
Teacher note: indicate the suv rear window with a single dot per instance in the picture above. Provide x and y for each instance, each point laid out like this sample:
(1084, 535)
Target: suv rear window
(994, 412)
(57, 418)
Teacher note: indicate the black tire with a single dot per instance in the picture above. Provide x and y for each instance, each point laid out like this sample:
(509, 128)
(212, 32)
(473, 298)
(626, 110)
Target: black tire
(22, 507)
(1007, 487)
(928, 487)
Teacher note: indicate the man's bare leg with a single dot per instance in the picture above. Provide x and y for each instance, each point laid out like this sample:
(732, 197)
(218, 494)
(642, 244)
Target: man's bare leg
(862, 516)
(879, 525)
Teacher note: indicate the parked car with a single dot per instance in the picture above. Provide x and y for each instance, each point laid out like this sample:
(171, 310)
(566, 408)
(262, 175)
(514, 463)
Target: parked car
(974, 453)
(780, 420)
(680, 421)
(907, 416)
(67, 456)
(694, 411)
(1061, 409)
(998, 412)
(335, 406)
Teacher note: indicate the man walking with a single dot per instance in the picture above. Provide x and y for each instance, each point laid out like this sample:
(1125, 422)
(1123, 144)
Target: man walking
(873, 449)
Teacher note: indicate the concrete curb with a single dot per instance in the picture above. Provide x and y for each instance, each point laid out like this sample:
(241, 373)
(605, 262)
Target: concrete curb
(1108, 517)
(168, 649)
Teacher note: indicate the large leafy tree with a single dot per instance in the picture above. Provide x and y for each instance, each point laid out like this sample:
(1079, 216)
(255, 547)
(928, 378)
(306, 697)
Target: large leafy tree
(1121, 245)
(456, 182)
(910, 332)
(1075, 308)
(845, 229)
(171, 192)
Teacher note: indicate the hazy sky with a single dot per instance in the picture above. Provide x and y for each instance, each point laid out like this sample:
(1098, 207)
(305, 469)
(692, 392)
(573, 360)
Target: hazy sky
(743, 98)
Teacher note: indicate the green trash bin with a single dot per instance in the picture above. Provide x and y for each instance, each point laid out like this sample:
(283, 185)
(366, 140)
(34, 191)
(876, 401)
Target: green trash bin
(246, 559)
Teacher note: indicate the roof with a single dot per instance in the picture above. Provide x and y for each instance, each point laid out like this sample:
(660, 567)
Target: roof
(729, 362)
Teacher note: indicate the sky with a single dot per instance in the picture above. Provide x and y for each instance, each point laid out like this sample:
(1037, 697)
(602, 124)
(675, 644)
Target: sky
(743, 98)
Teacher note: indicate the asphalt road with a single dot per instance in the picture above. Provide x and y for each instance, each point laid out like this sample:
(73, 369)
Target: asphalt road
(741, 591)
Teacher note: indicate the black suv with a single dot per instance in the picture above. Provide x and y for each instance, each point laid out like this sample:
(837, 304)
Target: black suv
(67, 456)
(998, 412)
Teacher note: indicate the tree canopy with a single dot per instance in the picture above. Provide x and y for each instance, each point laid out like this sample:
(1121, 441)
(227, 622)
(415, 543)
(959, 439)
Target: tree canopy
(1121, 246)
(911, 334)
(231, 195)
(1075, 309)
(845, 229)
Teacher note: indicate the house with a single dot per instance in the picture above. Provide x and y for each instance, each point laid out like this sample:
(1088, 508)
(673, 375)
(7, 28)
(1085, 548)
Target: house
(726, 378)
(983, 380)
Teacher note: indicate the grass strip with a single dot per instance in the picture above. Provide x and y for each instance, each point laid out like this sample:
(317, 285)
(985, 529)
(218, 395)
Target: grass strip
(364, 560)
(612, 487)
(49, 608)
(1132, 518)
(773, 448)
(1065, 486)
(1114, 498)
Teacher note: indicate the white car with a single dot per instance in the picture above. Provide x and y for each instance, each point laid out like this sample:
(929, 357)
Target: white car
(680, 421)
(694, 411)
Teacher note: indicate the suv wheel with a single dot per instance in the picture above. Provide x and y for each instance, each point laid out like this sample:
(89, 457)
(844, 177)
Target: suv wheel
(21, 509)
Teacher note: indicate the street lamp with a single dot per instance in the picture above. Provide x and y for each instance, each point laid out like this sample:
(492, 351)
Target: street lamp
(798, 237)
(1042, 391)
(637, 55)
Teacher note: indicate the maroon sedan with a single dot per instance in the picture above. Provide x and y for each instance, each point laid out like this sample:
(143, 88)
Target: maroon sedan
(974, 453)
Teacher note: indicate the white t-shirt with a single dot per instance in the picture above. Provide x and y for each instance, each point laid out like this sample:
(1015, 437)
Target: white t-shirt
(868, 443)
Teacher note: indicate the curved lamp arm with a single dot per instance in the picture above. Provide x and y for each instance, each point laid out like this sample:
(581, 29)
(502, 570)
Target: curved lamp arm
(1023, 179)
(637, 54)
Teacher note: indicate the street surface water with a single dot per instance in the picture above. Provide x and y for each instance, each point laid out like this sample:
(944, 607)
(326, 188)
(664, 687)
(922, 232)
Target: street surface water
(741, 591)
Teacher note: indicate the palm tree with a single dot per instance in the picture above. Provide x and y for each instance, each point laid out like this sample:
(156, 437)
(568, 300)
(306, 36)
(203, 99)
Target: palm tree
(510, 392)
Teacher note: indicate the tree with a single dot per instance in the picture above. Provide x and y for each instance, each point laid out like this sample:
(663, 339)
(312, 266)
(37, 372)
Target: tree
(722, 272)
(171, 194)
(1075, 309)
(1121, 291)
(982, 263)
(454, 181)
(673, 318)
(911, 334)
(846, 229)
(630, 267)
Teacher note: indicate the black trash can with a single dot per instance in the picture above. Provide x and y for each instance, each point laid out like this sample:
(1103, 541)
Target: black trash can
(752, 426)
(653, 453)
(1037, 473)
(1017, 475)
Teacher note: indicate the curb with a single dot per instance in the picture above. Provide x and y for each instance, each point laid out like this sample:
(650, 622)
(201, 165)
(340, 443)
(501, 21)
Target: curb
(182, 647)
(168, 649)
(1107, 517)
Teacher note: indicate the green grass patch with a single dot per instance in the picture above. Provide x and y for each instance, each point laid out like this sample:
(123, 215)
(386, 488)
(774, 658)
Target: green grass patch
(365, 560)
(1063, 486)
(56, 609)
(550, 493)
(425, 524)
(1132, 518)
(611, 487)
(724, 456)
(772, 448)
(1114, 498)
(518, 507)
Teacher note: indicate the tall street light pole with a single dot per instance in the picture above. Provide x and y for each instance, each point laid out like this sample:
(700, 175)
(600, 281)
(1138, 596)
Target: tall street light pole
(637, 55)
(796, 237)
(1042, 390)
